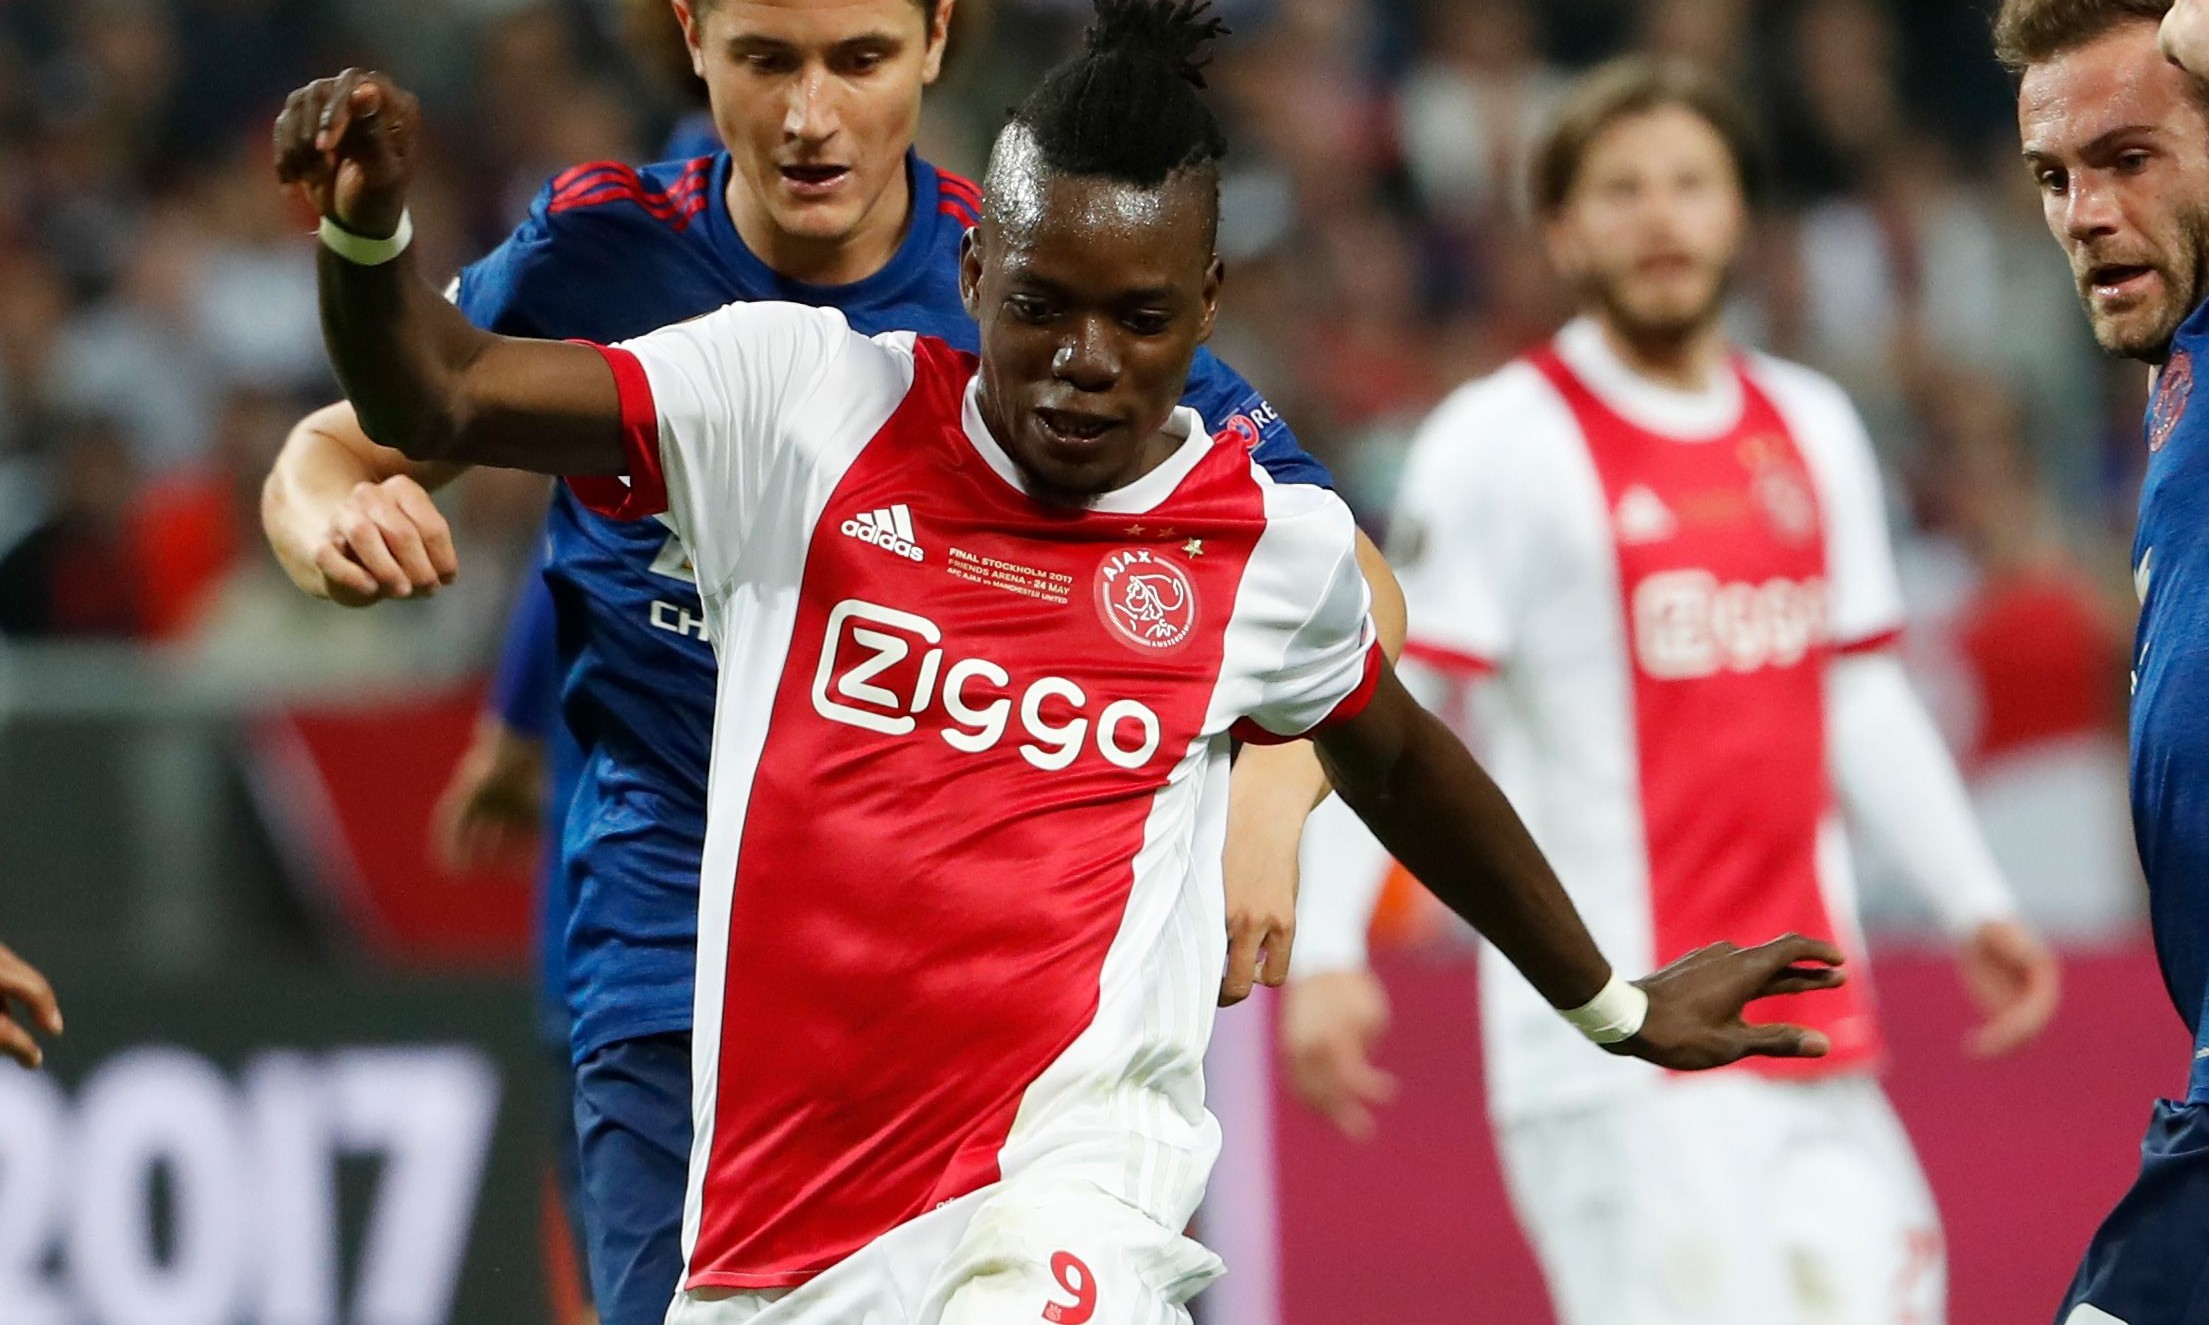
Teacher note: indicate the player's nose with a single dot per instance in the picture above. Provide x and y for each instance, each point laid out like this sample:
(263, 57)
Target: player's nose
(810, 115)
(1087, 357)
(2090, 210)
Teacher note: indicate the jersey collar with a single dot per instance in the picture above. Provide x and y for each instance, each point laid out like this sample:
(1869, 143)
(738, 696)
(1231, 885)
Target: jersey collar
(1668, 411)
(1141, 497)
(907, 267)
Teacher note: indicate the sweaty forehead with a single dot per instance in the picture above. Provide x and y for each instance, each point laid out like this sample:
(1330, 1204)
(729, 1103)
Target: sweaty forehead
(1030, 204)
(2117, 81)
(830, 20)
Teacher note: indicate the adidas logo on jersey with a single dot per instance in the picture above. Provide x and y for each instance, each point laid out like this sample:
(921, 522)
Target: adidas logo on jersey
(1642, 517)
(889, 528)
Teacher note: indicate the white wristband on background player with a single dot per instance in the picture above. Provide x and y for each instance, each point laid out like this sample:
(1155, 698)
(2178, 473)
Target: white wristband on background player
(1614, 1014)
(363, 250)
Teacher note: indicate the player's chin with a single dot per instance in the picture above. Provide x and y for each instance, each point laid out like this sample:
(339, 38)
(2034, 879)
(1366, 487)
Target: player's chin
(2140, 331)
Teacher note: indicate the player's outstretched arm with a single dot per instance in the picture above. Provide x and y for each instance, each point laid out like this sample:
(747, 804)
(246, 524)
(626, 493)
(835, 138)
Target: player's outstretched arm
(1274, 788)
(352, 521)
(1431, 805)
(422, 378)
(22, 986)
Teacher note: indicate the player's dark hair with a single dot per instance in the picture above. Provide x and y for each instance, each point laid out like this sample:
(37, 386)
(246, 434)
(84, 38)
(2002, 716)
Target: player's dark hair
(2030, 32)
(1127, 108)
(1624, 89)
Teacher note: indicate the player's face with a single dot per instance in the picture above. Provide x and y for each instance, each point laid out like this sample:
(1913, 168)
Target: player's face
(818, 101)
(1093, 297)
(2120, 148)
(1654, 223)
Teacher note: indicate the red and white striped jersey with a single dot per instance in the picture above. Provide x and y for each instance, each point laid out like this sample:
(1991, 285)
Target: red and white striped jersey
(961, 910)
(1654, 580)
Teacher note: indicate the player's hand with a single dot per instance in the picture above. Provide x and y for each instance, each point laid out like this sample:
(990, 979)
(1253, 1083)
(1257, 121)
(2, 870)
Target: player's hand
(2015, 981)
(348, 143)
(1271, 794)
(1261, 913)
(2185, 36)
(493, 811)
(385, 540)
(1329, 1025)
(1695, 1004)
(23, 989)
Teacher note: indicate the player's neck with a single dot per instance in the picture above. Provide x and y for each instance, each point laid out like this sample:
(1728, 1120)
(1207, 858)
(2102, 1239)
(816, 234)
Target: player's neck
(1688, 360)
(839, 260)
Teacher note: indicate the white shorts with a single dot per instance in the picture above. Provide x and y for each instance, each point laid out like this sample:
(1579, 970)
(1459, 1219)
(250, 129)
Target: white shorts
(1730, 1199)
(1014, 1253)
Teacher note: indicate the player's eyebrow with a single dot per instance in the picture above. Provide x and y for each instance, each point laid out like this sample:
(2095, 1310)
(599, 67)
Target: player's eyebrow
(2098, 145)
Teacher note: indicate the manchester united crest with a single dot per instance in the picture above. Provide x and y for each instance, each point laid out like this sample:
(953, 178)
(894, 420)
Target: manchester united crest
(2174, 387)
(1146, 598)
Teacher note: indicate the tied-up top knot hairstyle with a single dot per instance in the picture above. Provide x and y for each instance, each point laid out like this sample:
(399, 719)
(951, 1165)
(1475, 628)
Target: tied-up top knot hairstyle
(1126, 108)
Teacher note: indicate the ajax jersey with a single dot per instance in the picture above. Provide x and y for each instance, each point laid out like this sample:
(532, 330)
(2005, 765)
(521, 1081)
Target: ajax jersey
(1653, 580)
(610, 252)
(961, 899)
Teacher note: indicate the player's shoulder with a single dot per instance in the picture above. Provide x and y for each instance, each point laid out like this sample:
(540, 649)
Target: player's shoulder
(1806, 396)
(957, 196)
(1298, 508)
(1506, 421)
(665, 196)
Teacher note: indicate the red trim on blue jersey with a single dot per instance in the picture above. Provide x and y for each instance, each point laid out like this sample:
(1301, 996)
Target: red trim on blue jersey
(646, 491)
(960, 186)
(1442, 658)
(611, 181)
(1250, 733)
(1885, 639)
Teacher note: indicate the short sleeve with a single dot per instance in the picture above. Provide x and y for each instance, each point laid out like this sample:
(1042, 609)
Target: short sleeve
(1231, 406)
(1863, 595)
(706, 407)
(1311, 610)
(1454, 544)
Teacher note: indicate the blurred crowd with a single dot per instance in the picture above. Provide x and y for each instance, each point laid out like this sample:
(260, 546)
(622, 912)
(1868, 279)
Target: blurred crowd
(158, 330)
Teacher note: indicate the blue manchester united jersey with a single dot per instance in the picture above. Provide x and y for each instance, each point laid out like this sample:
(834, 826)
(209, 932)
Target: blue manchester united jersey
(2170, 705)
(610, 252)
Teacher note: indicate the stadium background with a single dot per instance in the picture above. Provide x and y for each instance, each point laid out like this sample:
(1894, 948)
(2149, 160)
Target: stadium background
(302, 1083)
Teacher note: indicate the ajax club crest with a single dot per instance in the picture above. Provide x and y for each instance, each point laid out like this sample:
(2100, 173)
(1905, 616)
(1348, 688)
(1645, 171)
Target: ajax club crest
(1146, 599)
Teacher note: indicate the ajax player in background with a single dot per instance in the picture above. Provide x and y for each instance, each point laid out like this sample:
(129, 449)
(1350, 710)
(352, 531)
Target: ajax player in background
(2118, 141)
(820, 201)
(961, 893)
(1658, 565)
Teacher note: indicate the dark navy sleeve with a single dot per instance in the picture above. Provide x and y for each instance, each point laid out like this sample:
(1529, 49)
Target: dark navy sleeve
(525, 690)
(1231, 405)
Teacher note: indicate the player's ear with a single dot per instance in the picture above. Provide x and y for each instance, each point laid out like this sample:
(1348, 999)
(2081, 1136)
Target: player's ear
(688, 17)
(1215, 276)
(970, 272)
(939, 36)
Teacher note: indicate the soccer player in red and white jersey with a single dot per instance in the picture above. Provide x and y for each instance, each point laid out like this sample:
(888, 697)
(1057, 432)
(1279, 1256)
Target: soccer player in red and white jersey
(1654, 568)
(962, 876)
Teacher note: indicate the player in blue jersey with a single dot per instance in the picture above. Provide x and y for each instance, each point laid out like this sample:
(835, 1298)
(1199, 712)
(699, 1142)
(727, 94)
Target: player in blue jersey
(2118, 140)
(823, 202)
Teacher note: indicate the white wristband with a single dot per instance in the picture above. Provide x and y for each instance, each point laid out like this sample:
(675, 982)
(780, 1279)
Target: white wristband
(362, 250)
(1614, 1014)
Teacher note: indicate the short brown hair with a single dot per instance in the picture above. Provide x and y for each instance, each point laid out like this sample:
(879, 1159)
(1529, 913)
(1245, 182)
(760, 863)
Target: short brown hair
(2030, 32)
(1628, 87)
